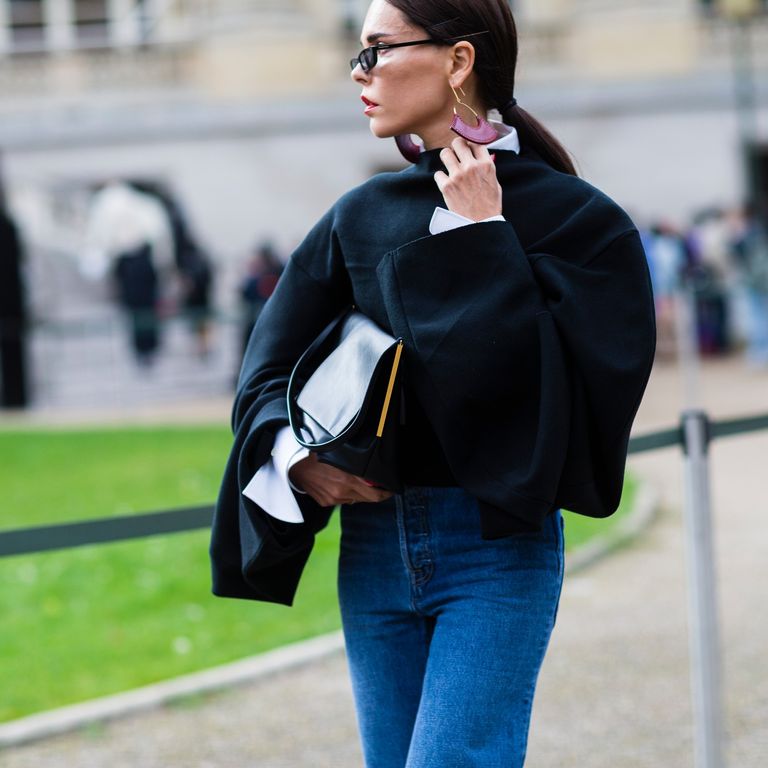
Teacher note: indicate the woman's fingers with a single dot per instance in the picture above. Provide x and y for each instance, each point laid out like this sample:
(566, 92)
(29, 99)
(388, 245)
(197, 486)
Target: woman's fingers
(455, 158)
(329, 485)
(450, 159)
(441, 179)
(460, 157)
(463, 150)
(470, 187)
(456, 155)
(365, 492)
(482, 153)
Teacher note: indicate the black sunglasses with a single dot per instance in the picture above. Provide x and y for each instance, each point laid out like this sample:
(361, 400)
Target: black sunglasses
(368, 57)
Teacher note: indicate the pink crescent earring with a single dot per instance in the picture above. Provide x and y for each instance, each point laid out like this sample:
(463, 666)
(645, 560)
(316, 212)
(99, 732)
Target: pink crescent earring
(482, 133)
(408, 147)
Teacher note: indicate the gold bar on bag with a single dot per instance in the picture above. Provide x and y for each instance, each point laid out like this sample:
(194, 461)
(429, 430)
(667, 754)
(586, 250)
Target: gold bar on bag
(390, 387)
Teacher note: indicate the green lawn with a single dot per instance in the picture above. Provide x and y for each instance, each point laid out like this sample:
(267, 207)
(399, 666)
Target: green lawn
(95, 620)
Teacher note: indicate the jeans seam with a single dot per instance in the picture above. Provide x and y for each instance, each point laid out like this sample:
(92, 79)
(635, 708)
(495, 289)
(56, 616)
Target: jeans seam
(560, 551)
(424, 572)
(400, 509)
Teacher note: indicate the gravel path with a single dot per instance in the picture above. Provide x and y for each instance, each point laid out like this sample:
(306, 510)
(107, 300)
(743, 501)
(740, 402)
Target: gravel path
(614, 688)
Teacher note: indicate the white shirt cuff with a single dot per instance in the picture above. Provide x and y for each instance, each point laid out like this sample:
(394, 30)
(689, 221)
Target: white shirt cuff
(443, 220)
(270, 487)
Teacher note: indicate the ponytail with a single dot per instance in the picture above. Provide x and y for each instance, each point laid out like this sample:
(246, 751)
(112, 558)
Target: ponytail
(533, 134)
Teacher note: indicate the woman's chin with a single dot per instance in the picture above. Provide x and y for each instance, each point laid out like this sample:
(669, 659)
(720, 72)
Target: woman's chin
(380, 130)
(384, 129)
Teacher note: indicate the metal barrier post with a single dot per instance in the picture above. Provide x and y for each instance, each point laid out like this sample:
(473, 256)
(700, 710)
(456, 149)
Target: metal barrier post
(704, 642)
(688, 345)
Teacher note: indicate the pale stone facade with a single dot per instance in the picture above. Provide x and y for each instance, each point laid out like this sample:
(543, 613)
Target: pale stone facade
(241, 49)
(235, 103)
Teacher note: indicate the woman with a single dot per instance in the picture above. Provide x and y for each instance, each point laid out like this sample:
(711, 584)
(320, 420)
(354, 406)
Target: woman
(523, 297)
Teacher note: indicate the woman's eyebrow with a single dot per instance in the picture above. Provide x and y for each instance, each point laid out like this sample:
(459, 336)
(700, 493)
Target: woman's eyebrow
(376, 35)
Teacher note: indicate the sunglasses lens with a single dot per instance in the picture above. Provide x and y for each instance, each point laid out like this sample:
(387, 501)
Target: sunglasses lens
(368, 58)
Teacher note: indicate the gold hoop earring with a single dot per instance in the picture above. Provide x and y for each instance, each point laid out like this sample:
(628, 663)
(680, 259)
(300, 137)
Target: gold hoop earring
(463, 104)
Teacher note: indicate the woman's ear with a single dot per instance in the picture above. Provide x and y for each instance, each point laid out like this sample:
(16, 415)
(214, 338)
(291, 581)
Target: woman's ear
(462, 61)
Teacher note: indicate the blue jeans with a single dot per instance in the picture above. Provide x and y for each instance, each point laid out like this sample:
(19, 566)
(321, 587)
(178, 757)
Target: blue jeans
(445, 632)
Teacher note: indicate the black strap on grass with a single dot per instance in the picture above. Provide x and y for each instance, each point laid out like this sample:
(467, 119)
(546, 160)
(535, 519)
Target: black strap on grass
(22, 541)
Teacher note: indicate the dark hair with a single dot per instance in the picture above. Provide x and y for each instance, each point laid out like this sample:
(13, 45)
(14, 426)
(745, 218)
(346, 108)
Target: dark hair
(495, 62)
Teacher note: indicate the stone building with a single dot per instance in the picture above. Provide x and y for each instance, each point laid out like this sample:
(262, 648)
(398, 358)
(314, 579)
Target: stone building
(246, 110)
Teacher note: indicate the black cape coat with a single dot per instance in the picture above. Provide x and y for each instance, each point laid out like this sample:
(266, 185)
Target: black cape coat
(529, 343)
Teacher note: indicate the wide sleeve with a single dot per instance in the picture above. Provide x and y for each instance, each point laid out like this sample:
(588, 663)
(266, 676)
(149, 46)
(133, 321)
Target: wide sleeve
(604, 313)
(253, 555)
(530, 367)
(478, 349)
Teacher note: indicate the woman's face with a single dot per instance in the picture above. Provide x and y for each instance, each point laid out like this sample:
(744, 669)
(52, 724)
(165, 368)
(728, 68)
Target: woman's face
(410, 85)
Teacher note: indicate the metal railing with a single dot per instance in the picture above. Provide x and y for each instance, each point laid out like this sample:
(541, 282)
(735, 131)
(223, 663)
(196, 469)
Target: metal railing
(21, 541)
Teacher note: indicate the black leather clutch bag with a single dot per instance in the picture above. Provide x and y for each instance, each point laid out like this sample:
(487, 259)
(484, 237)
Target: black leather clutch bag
(344, 399)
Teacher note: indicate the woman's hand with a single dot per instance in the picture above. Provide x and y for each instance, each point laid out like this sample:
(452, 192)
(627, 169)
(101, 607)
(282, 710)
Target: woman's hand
(329, 485)
(470, 187)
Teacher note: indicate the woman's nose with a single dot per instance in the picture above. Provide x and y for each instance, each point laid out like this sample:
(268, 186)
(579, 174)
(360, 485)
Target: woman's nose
(358, 75)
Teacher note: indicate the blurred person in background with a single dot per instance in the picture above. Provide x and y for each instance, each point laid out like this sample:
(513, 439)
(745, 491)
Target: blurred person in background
(137, 291)
(197, 288)
(13, 313)
(194, 267)
(128, 238)
(263, 272)
(749, 249)
(707, 273)
(666, 258)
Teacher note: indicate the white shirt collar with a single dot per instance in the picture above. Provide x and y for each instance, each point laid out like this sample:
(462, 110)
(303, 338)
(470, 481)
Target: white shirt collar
(509, 140)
